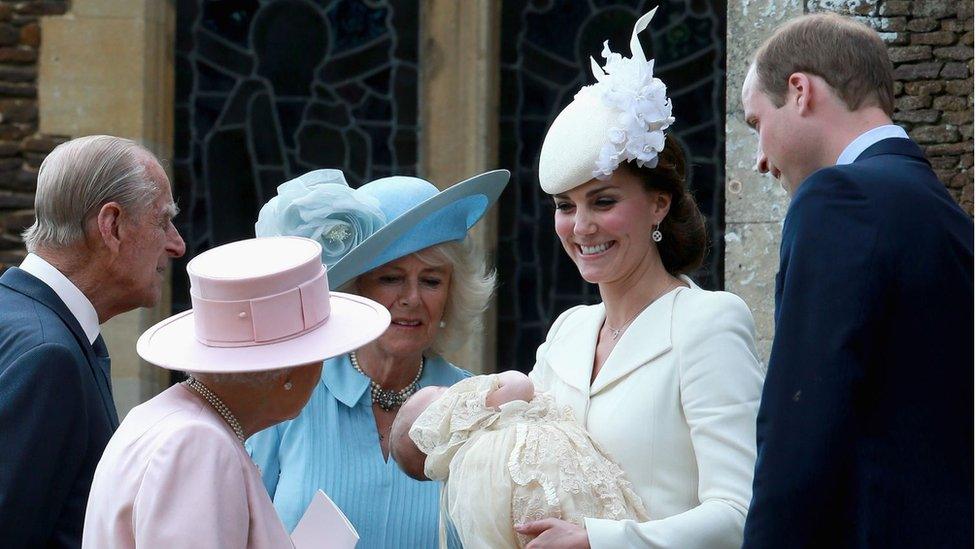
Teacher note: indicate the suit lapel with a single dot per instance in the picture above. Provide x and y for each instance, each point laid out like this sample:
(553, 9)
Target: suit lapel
(570, 356)
(26, 284)
(648, 337)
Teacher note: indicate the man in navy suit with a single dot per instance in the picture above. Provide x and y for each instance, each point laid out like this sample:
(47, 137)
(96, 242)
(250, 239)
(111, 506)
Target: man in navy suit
(865, 430)
(99, 247)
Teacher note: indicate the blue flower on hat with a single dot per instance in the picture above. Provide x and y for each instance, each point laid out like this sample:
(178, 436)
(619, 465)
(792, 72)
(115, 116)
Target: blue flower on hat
(320, 205)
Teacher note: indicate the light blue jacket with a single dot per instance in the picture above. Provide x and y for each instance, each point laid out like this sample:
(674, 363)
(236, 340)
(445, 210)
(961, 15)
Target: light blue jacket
(333, 445)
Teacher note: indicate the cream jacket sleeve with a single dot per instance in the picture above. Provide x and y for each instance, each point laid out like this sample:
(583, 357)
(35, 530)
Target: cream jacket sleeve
(720, 386)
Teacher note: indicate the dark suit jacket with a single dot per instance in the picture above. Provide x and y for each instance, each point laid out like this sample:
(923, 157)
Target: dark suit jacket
(56, 416)
(865, 430)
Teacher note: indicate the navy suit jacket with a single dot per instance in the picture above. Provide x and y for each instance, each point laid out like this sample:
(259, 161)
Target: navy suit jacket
(56, 416)
(865, 430)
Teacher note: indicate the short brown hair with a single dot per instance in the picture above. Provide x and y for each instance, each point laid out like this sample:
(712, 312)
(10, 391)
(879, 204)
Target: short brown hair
(684, 241)
(851, 57)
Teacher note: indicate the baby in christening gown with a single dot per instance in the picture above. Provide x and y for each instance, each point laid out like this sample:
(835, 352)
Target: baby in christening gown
(507, 455)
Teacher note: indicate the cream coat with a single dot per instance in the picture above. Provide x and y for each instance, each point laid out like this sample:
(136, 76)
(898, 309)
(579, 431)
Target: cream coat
(674, 405)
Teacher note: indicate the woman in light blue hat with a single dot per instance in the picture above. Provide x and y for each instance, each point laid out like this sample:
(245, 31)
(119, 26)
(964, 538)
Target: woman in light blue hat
(402, 243)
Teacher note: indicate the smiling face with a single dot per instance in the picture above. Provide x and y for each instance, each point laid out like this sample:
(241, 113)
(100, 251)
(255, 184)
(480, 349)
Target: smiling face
(415, 293)
(605, 226)
(148, 240)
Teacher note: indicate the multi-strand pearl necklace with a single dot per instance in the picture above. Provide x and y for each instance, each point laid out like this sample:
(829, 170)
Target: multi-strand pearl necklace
(217, 404)
(386, 399)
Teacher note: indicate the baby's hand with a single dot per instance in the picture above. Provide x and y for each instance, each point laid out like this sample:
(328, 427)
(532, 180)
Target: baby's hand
(512, 385)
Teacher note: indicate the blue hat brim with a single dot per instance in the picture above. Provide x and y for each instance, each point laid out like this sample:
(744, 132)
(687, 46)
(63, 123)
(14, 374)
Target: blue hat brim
(444, 217)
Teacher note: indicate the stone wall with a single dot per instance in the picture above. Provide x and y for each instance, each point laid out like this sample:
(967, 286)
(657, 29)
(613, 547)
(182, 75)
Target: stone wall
(21, 147)
(931, 45)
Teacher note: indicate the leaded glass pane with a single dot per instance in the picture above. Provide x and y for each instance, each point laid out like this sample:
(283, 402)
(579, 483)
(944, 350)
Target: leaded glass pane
(269, 89)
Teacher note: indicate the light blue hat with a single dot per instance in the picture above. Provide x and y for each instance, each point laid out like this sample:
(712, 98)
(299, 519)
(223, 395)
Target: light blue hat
(361, 229)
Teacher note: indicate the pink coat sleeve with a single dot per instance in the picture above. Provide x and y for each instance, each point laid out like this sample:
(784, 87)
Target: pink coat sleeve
(193, 493)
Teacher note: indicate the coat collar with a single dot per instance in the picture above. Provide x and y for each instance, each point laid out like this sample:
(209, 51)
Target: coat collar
(571, 353)
(23, 282)
(29, 285)
(648, 337)
(893, 145)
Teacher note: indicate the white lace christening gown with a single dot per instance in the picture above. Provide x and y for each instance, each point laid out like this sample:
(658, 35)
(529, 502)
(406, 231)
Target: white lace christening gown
(523, 462)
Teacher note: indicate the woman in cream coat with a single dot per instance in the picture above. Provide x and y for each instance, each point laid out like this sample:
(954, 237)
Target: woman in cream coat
(664, 375)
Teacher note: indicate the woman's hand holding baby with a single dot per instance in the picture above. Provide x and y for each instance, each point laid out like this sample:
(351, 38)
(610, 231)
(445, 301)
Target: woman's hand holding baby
(552, 533)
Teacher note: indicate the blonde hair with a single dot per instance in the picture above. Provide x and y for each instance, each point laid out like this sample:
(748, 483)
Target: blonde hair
(472, 284)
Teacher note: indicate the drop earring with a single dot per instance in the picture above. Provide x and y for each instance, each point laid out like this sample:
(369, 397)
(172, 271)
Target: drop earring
(288, 386)
(656, 235)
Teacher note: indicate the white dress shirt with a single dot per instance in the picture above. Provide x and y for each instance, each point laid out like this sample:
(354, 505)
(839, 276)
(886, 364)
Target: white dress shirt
(868, 138)
(77, 303)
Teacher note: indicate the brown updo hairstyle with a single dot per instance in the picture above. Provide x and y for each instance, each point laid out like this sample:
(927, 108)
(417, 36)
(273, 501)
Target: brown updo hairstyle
(684, 241)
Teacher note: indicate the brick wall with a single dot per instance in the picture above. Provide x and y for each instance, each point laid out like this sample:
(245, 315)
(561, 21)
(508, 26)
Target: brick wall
(21, 147)
(931, 45)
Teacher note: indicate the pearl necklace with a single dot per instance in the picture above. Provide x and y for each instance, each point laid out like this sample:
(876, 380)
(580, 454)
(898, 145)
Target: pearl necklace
(387, 399)
(217, 404)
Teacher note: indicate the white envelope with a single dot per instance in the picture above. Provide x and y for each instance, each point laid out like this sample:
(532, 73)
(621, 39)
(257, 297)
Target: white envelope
(324, 526)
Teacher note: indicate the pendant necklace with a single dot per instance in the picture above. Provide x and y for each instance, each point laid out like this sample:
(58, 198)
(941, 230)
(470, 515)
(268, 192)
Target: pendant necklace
(385, 398)
(615, 332)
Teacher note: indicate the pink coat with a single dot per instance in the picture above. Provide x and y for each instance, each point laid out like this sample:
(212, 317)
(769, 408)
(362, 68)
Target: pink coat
(174, 475)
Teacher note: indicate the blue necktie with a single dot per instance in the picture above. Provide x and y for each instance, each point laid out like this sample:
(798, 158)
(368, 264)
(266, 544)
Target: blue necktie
(101, 353)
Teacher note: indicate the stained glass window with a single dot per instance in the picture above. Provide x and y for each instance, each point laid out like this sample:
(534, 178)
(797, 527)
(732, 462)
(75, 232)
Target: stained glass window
(269, 89)
(545, 54)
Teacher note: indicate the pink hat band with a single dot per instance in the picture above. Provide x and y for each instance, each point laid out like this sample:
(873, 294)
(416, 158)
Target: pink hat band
(259, 310)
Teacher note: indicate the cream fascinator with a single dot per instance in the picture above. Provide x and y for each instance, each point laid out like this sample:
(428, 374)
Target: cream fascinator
(620, 118)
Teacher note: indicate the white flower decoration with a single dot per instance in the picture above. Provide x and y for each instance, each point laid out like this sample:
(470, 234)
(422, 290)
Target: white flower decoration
(628, 85)
(320, 205)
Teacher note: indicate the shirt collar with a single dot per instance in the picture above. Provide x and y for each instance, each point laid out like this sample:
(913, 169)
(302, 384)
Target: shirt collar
(79, 305)
(343, 381)
(868, 138)
(349, 386)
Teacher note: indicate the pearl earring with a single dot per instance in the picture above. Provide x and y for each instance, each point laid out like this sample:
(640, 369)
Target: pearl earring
(443, 324)
(288, 386)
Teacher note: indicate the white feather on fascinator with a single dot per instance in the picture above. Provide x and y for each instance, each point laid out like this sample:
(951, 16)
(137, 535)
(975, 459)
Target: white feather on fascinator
(620, 118)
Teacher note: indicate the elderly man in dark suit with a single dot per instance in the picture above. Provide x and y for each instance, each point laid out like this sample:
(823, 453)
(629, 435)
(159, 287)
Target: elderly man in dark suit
(865, 432)
(99, 247)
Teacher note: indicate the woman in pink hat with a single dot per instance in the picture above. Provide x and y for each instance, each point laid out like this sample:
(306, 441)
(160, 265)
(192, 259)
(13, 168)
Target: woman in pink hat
(176, 474)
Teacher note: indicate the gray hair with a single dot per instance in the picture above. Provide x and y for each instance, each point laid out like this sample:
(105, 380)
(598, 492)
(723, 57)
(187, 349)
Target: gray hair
(472, 283)
(80, 176)
(264, 377)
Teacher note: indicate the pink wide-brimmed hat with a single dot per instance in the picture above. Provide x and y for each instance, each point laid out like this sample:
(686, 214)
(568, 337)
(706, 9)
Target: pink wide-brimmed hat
(261, 304)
